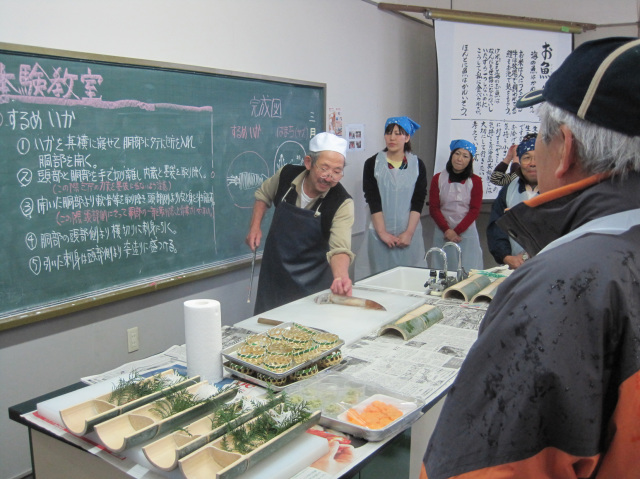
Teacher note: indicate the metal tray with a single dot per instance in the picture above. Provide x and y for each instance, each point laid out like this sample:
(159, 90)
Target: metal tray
(229, 353)
(255, 380)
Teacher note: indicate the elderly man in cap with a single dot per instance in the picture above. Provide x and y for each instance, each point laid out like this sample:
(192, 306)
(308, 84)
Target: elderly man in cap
(504, 249)
(308, 247)
(551, 388)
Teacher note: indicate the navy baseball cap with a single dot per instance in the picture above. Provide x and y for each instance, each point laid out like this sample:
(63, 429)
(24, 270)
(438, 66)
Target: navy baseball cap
(598, 82)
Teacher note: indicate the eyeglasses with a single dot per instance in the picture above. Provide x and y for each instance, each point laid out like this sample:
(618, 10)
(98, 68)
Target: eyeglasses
(329, 175)
(527, 159)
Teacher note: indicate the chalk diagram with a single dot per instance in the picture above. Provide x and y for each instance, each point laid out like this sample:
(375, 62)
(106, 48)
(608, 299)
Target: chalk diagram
(289, 153)
(245, 174)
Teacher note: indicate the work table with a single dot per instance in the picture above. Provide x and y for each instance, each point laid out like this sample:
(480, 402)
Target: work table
(423, 367)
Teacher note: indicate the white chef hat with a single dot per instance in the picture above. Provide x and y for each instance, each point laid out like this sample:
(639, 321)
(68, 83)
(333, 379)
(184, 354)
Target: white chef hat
(328, 142)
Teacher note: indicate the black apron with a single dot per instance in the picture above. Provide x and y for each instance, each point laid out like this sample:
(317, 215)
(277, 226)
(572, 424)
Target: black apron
(294, 262)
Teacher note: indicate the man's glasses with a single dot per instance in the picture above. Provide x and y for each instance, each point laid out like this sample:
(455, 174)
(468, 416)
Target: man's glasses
(527, 159)
(326, 174)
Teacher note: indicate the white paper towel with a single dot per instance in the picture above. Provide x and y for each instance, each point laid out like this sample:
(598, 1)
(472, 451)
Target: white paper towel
(203, 338)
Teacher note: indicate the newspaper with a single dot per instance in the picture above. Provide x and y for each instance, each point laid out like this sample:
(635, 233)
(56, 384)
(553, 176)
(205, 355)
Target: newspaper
(174, 357)
(423, 367)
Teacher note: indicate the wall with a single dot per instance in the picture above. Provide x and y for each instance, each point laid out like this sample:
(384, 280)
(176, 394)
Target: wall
(375, 64)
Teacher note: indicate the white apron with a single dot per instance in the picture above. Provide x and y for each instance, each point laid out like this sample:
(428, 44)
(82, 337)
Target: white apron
(514, 196)
(454, 204)
(396, 190)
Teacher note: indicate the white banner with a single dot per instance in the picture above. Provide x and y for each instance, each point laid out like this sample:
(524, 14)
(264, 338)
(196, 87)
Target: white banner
(482, 72)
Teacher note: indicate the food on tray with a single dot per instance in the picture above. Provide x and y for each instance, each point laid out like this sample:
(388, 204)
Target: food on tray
(238, 367)
(275, 334)
(277, 363)
(305, 373)
(333, 409)
(272, 380)
(376, 415)
(306, 329)
(303, 355)
(297, 338)
(326, 341)
(251, 354)
(353, 396)
(257, 340)
(280, 349)
(300, 355)
(331, 359)
(314, 403)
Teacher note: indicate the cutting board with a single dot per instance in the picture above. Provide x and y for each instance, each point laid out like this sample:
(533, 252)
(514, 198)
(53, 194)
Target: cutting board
(348, 322)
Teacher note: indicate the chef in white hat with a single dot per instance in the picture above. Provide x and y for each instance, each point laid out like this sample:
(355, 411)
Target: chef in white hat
(308, 247)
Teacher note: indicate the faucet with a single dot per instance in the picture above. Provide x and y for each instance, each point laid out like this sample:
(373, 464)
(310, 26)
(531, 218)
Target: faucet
(437, 280)
(460, 273)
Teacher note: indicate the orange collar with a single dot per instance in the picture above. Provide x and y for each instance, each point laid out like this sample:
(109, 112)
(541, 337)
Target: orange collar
(566, 190)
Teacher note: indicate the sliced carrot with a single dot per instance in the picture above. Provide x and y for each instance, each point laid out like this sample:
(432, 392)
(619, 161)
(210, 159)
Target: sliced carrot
(354, 417)
(375, 416)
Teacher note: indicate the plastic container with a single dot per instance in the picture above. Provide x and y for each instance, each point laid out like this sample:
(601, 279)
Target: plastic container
(336, 393)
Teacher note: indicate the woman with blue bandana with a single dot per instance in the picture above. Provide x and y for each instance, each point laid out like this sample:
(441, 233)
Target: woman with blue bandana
(395, 188)
(499, 176)
(454, 204)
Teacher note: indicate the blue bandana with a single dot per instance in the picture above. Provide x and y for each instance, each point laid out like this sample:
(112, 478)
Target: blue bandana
(526, 145)
(467, 145)
(405, 122)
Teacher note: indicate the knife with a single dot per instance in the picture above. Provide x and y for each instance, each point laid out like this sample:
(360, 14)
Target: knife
(330, 298)
(253, 267)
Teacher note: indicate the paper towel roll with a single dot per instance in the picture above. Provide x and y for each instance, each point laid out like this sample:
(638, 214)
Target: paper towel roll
(203, 339)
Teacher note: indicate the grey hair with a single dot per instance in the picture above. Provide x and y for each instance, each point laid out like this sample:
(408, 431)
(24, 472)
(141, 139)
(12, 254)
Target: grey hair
(599, 149)
(314, 155)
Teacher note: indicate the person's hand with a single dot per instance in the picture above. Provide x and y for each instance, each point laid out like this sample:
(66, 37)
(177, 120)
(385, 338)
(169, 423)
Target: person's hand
(451, 235)
(387, 238)
(404, 239)
(514, 261)
(253, 239)
(342, 286)
(512, 155)
(336, 459)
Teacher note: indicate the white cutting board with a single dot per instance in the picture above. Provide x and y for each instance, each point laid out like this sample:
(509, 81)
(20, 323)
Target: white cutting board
(348, 322)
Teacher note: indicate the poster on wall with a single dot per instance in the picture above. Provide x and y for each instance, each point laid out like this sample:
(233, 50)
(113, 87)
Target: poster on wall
(334, 123)
(355, 137)
(482, 72)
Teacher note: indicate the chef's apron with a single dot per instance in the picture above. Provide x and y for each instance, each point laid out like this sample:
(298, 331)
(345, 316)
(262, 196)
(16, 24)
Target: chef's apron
(396, 189)
(455, 198)
(294, 261)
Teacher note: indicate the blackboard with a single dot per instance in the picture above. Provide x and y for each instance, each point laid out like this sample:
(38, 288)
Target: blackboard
(121, 176)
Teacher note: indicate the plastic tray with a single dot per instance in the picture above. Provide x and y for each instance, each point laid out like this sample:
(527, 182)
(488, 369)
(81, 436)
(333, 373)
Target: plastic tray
(335, 393)
(230, 354)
